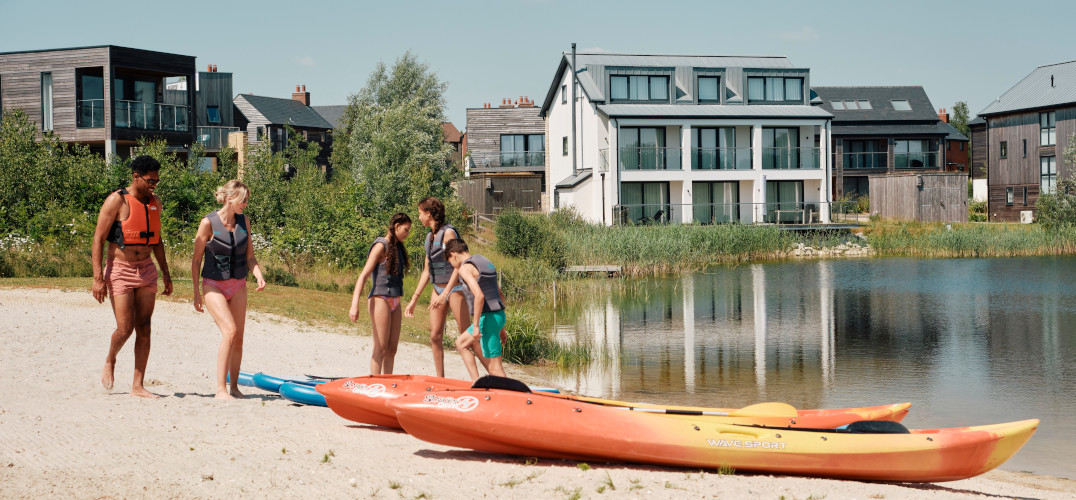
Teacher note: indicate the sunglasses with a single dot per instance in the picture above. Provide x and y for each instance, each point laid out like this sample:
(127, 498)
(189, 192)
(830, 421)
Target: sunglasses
(151, 181)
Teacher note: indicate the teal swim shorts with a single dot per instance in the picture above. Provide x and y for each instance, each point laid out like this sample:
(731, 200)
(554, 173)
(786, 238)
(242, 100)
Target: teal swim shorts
(490, 324)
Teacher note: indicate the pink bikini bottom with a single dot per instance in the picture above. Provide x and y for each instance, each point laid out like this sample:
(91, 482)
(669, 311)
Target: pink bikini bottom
(228, 287)
(394, 302)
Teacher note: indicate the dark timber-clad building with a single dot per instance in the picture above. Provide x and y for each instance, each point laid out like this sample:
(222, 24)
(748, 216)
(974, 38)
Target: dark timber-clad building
(106, 97)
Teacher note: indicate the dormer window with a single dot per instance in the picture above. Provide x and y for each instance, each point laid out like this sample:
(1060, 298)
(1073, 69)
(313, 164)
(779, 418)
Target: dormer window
(709, 89)
(901, 105)
(639, 88)
(774, 89)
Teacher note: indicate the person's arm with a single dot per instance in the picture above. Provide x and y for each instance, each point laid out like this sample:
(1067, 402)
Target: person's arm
(409, 311)
(469, 273)
(105, 218)
(162, 259)
(252, 261)
(504, 307)
(376, 254)
(205, 231)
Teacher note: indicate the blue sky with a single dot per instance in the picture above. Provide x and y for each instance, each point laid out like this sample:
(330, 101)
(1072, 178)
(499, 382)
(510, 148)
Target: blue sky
(486, 50)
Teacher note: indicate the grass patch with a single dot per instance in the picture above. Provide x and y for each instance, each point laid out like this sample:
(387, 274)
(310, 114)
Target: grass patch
(583, 466)
(725, 470)
(914, 239)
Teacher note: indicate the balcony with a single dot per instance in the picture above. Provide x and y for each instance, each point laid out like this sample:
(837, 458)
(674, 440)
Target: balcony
(791, 158)
(91, 113)
(795, 213)
(720, 158)
(919, 160)
(854, 161)
(151, 116)
(214, 138)
(523, 159)
(648, 158)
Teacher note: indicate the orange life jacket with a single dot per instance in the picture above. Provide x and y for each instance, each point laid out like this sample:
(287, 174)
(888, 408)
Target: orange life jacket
(141, 227)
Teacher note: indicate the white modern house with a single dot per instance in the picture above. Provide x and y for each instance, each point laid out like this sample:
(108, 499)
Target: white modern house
(683, 139)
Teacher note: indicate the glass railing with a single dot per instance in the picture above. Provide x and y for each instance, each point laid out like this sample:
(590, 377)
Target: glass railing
(854, 161)
(91, 113)
(785, 213)
(649, 158)
(721, 158)
(213, 137)
(523, 159)
(151, 116)
(926, 159)
(791, 158)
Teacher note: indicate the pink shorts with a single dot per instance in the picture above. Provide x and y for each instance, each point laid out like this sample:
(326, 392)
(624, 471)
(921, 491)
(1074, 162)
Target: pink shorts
(123, 277)
(228, 287)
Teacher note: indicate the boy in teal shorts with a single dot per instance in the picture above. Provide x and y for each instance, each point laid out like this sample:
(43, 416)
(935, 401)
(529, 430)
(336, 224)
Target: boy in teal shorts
(486, 302)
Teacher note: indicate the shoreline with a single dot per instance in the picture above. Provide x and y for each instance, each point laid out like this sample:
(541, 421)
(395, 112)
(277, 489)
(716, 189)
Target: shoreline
(66, 435)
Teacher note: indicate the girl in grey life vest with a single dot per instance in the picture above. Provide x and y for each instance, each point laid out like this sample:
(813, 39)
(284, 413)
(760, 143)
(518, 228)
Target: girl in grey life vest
(224, 240)
(386, 264)
(446, 285)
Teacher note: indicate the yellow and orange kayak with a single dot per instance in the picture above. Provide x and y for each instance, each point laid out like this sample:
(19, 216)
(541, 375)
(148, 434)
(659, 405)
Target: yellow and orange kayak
(363, 399)
(530, 424)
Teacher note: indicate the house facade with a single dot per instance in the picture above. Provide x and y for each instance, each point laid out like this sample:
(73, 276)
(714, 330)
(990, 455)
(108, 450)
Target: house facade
(1026, 132)
(686, 139)
(105, 97)
(506, 157)
(268, 119)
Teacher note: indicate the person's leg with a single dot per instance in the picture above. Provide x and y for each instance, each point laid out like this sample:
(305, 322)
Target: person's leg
(123, 308)
(219, 309)
(379, 322)
(496, 367)
(463, 344)
(238, 305)
(437, 338)
(145, 299)
(393, 341)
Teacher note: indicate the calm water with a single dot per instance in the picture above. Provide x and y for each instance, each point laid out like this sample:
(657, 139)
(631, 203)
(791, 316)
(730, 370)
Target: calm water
(966, 341)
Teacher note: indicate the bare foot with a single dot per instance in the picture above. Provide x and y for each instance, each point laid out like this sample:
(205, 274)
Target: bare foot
(236, 394)
(107, 375)
(224, 395)
(143, 393)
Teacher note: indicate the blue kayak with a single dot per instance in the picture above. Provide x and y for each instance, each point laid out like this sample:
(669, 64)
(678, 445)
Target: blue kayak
(302, 393)
(272, 384)
(245, 379)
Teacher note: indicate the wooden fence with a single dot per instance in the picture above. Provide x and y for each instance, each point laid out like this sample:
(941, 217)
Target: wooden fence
(926, 197)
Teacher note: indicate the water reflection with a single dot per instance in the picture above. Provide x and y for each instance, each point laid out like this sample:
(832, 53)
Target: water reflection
(966, 341)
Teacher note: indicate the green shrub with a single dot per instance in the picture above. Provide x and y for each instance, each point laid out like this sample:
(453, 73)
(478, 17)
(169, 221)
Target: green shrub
(1058, 209)
(530, 236)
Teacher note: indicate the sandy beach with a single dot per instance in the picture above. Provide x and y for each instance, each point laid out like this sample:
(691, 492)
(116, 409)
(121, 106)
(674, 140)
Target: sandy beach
(64, 435)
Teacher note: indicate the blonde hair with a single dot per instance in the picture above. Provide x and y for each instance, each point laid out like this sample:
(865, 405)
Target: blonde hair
(232, 190)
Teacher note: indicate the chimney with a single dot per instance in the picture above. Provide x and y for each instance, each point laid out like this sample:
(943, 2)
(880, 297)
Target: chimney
(943, 116)
(301, 95)
(526, 102)
(506, 103)
(214, 68)
(209, 68)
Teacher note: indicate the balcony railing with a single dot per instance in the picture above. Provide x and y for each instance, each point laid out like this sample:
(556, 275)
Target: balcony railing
(735, 213)
(925, 159)
(721, 158)
(213, 137)
(151, 116)
(791, 158)
(91, 113)
(648, 158)
(523, 159)
(854, 161)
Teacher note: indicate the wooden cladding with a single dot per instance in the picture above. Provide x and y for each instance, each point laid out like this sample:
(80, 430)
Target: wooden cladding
(486, 125)
(927, 197)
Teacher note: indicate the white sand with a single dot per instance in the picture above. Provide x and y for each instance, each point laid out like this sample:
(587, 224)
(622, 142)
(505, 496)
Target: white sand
(63, 435)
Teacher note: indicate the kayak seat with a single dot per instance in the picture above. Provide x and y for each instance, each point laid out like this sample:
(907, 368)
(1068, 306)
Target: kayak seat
(504, 383)
(876, 427)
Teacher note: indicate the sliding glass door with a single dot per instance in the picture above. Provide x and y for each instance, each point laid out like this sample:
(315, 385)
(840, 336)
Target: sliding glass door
(645, 202)
(715, 202)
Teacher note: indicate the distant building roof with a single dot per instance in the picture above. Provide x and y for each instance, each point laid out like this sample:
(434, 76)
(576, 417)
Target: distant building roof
(1050, 85)
(954, 134)
(978, 121)
(332, 114)
(888, 129)
(279, 111)
(574, 179)
(450, 132)
(712, 110)
(881, 104)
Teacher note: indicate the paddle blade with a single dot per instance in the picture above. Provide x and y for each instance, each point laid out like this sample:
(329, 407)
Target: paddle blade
(783, 410)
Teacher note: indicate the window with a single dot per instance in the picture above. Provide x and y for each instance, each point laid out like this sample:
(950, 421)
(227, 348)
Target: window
(783, 195)
(46, 102)
(914, 153)
(90, 97)
(1048, 167)
(948, 145)
(213, 114)
(961, 145)
(1004, 150)
(564, 94)
(639, 88)
(518, 150)
(1025, 196)
(709, 89)
(1025, 148)
(864, 154)
(261, 132)
(774, 89)
(901, 105)
(642, 148)
(837, 105)
(1008, 196)
(864, 104)
(565, 142)
(1047, 128)
(645, 202)
(716, 149)
(715, 202)
(780, 148)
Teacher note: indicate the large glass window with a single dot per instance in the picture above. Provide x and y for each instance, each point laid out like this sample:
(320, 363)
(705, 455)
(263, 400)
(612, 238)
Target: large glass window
(642, 148)
(774, 89)
(213, 114)
(783, 195)
(863, 154)
(639, 88)
(709, 89)
(716, 148)
(715, 202)
(780, 148)
(1048, 168)
(645, 202)
(518, 150)
(1047, 128)
(46, 102)
(90, 90)
(913, 154)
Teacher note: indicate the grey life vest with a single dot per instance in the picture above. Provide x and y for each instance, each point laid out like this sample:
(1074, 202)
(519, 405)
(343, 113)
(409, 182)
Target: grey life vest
(440, 269)
(487, 281)
(385, 284)
(226, 251)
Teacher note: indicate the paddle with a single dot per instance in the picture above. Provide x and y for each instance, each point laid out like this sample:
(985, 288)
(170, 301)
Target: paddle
(779, 410)
(315, 377)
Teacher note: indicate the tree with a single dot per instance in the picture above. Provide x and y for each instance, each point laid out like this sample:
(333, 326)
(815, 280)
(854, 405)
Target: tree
(1057, 209)
(391, 139)
(960, 118)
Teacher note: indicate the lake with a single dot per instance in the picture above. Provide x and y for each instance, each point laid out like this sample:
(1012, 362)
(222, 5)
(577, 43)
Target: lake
(966, 341)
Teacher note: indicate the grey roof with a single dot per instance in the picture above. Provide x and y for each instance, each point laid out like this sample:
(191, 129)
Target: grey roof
(331, 114)
(574, 179)
(888, 129)
(713, 111)
(978, 121)
(954, 134)
(1050, 85)
(285, 111)
(879, 97)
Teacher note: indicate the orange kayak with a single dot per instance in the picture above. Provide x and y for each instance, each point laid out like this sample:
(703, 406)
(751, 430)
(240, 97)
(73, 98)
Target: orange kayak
(530, 424)
(363, 399)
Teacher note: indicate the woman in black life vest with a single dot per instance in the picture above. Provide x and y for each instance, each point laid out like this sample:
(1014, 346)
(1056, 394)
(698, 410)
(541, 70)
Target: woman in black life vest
(386, 263)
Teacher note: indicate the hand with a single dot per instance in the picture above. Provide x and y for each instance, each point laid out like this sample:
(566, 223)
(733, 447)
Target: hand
(504, 337)
(261, 284)
(99, 290)
(167, 286)
(409, 311)
(354, 313)
(436, 302)
(198, 301)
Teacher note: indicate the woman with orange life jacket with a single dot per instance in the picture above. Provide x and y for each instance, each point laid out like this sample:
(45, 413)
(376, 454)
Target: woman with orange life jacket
(224, 240)
(386, 263)
(130, 223)
(448, 289)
